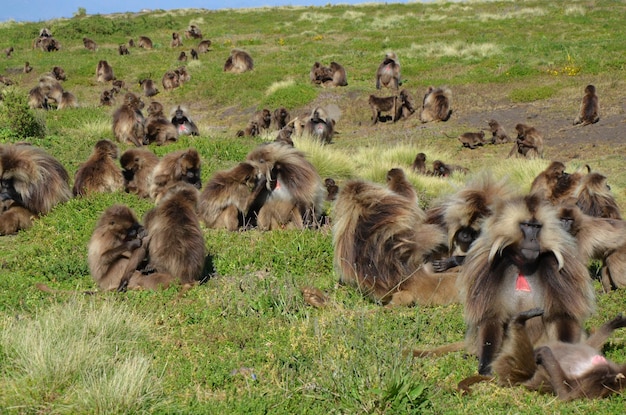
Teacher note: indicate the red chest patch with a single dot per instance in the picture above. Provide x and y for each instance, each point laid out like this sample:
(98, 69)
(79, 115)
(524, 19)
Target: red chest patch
(521, 284)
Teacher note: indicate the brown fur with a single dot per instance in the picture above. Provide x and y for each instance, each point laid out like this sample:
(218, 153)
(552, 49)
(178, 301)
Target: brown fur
(338, 76)
(290, 189)
(498, 134)
(176, 243)
(442, 169)
(388, 72)
(170, 80)
(14, 217)
(594, 197)
(68, 100)
(398, 183)
(252, 130)
(107, 98)
(320, 125)
(51, 88)
(472, 140)
(320, 74)
(144, 42)
(554, 184)
(225, 199)
(58, 73)
(529, 142)
(176, 40)
(436, 106)
(8, 51)
(193, 32)
(27, 67)
(32, 178)
(183, 122)
(203, 46)
(123, 50)
(104, 72)
(571, 371)
(90, 44)
(419, 164)
(159, 129)
(181, 165)
(589, 108)
(182, 56)
(194, 54)
(114, 250)
(137, 167)
(128, 121)
(37, 98)
(280, 118)
(100, 172)
(331, 189)
(239, 61)
(557, 279)
(381, 244)
(399, 106)
(148, 87)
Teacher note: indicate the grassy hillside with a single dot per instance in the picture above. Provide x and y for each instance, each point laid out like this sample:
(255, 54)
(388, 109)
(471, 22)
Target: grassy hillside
(246, 342)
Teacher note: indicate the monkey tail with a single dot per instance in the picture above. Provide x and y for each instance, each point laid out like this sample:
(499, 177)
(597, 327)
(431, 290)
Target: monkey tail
(438, 351)
(464, 385)
(46, 289)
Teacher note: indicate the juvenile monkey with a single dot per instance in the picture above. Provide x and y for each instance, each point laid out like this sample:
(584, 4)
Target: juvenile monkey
(589, 108)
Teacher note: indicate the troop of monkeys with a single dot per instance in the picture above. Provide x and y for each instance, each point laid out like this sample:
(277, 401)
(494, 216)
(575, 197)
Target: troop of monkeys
(517, 262)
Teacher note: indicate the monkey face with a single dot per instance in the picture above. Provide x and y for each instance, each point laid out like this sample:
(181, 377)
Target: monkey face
(8, 192)
(465, 236)
(529, 247)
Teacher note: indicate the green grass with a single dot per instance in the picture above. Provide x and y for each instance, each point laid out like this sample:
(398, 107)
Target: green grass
(246, 342)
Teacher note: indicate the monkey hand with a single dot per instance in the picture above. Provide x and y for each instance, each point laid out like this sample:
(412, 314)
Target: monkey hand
(123, 287)
(134, 243)
(440, 265)
(540, 354)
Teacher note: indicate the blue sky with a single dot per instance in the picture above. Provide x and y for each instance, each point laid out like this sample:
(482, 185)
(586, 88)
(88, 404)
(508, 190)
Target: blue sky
(38, 10)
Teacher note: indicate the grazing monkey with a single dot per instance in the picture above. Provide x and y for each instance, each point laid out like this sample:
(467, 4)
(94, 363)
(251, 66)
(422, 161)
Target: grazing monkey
(100, 172)
(340, 77)
(159, 129)
(523, 259)
(33, 179)
(419, 164)
(51, 87)
(290, 189)
(397, 182)
(176, 40)
(594, 197)
(27, 67)
(37, 98)
(183, 122)
(171, 80)
(90, 44)
(144, 42)
(128, 121)
(381, 244)
(123, 50)
(178, 166)
(131, 43)
(137, 167)
(104, 72)
(8, 51)
(436, 106)
(175, 240)
(107, 98)
(194, 54)
(529, 142)
(498, 134)
(388, 73)
(182, 56)
(589, 108)
(58, 73)
(239, 61)
(14, 217)
(252, 130)
(203, 46)
(399, 106)
(568, 370)
(148, 87)
(442, 169)
(472, 140)
(320, 125)
(68, 100)
(280, 118)
(225, 198)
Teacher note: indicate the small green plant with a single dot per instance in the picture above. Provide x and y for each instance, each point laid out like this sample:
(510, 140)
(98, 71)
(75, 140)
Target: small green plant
(532, 94)
(19, 118)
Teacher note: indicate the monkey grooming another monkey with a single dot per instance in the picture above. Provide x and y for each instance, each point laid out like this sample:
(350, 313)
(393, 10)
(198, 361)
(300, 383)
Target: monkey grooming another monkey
(529, 143)
(181, 165)
(498, 134)
(589, 108)
(159, 129)
(137, 167)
